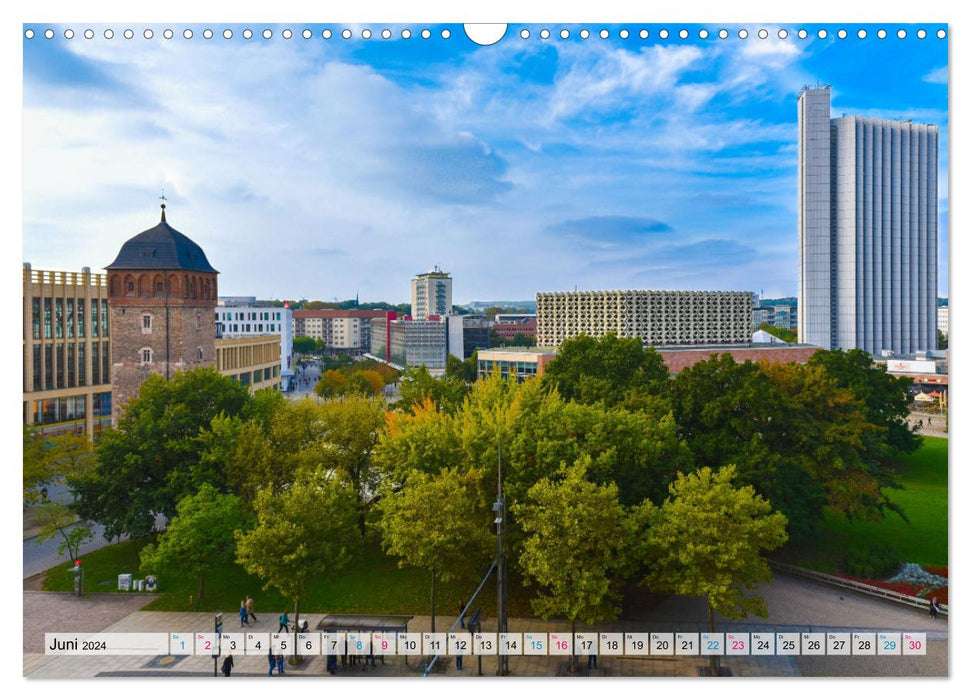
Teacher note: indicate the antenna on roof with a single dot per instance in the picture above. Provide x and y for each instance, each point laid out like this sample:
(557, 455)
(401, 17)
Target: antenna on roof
(163, 204)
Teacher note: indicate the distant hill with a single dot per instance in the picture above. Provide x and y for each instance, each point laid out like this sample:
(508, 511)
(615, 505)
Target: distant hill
(529, 306)
(782, 301)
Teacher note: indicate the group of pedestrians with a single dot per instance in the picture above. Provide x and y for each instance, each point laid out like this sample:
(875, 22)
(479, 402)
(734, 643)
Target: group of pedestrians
(246, 612)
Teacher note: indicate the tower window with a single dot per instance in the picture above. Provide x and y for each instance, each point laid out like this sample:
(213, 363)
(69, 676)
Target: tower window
(146, 355)
(146, 323)
(200, 353)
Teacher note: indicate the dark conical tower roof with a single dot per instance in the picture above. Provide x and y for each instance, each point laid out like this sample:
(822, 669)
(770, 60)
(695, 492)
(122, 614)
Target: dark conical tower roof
(161, 248)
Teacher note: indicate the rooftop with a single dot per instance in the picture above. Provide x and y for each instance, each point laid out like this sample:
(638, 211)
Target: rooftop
(161, 248)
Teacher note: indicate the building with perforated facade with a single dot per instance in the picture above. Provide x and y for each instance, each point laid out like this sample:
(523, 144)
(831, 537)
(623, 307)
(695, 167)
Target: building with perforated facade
(656, 317)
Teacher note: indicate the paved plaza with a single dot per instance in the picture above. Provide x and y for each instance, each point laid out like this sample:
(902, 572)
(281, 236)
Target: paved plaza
(794, 605)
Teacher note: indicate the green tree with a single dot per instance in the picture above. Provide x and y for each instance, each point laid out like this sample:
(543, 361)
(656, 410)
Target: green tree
(791, 432)
(462, 370)
(438, 523)
(304, 345)
(425, 440)
(303, 533)
(783, 334)
(50, 461)
(146, 465)
(417, 384)
(941, 340)
(331, 383)
(608, 369)
(578, 546)
(366, 382)
(886, 399)
(708, 538)
(60, 520)
(200, 536)
(347, 433)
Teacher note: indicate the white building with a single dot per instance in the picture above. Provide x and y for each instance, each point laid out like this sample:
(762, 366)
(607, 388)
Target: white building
(656, 317)
(237, 317)
(431, 294)
(867, 230)
(942, 319)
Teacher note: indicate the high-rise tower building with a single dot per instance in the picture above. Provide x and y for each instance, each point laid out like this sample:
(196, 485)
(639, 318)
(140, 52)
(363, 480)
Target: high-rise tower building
(161, 301)
(867, 230)
(431, 294)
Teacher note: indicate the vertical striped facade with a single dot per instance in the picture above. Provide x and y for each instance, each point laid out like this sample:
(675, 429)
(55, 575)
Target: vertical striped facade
(868, 250)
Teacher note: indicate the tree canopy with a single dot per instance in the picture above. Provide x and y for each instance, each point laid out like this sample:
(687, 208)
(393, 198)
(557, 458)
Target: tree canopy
(304, 532)
(146, 465)
(608, 369)
(200, 536)
(708, 540)
(440, 523)
(886, 399)
(580, 543)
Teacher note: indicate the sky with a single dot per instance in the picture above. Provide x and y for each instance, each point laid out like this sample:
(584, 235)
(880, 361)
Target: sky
(329, 168)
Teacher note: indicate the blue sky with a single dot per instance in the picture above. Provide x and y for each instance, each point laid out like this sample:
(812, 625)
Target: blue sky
(326, 168)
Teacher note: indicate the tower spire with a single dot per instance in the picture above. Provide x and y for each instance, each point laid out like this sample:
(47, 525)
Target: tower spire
(163, 204)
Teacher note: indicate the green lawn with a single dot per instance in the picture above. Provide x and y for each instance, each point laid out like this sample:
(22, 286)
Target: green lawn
(373, 583)
(923, 475)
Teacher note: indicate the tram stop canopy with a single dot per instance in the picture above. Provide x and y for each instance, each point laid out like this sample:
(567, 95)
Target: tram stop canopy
(364, 623)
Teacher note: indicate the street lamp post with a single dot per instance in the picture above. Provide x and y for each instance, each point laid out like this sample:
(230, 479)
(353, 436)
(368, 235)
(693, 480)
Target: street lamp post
(499, 507)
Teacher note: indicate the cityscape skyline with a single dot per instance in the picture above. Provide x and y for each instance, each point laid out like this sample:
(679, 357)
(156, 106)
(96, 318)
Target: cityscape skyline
(421, 163)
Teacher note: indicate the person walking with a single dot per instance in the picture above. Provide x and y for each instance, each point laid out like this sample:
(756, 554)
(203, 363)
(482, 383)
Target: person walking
(249, 608)
(284, 622)
(272, 661)
(934, 608)
(592, 661)
(228, 665)
(243, 619)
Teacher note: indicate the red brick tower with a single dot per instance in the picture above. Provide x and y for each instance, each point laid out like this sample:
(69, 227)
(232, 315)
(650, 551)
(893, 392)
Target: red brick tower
(161, 304)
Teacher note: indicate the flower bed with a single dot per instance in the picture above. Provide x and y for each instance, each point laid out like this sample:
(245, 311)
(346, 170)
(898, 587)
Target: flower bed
(918, 590)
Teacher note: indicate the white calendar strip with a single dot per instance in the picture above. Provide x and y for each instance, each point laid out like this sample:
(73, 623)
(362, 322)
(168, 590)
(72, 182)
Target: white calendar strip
(365, 643)
(106, 644)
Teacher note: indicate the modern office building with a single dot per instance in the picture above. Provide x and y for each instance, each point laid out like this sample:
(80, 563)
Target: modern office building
(238, 317)
(409, 343)
(466, 334)
(942, 319)
(518, 363)
(431, 294)
(776, 315)
(67, 353)
(867, 230)
(656, 317)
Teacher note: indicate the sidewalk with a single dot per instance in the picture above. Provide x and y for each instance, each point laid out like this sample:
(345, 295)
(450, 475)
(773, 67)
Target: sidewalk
(794, 605)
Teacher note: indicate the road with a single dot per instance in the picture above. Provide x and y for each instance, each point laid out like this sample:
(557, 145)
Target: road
(42, 556)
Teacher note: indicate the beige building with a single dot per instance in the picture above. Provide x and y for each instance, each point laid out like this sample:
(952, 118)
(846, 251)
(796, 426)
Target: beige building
(346, 330)
(252, 360)
(66, 352)
(656, 317)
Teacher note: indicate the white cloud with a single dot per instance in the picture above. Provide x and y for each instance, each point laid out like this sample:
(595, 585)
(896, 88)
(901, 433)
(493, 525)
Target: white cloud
(938, 75)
